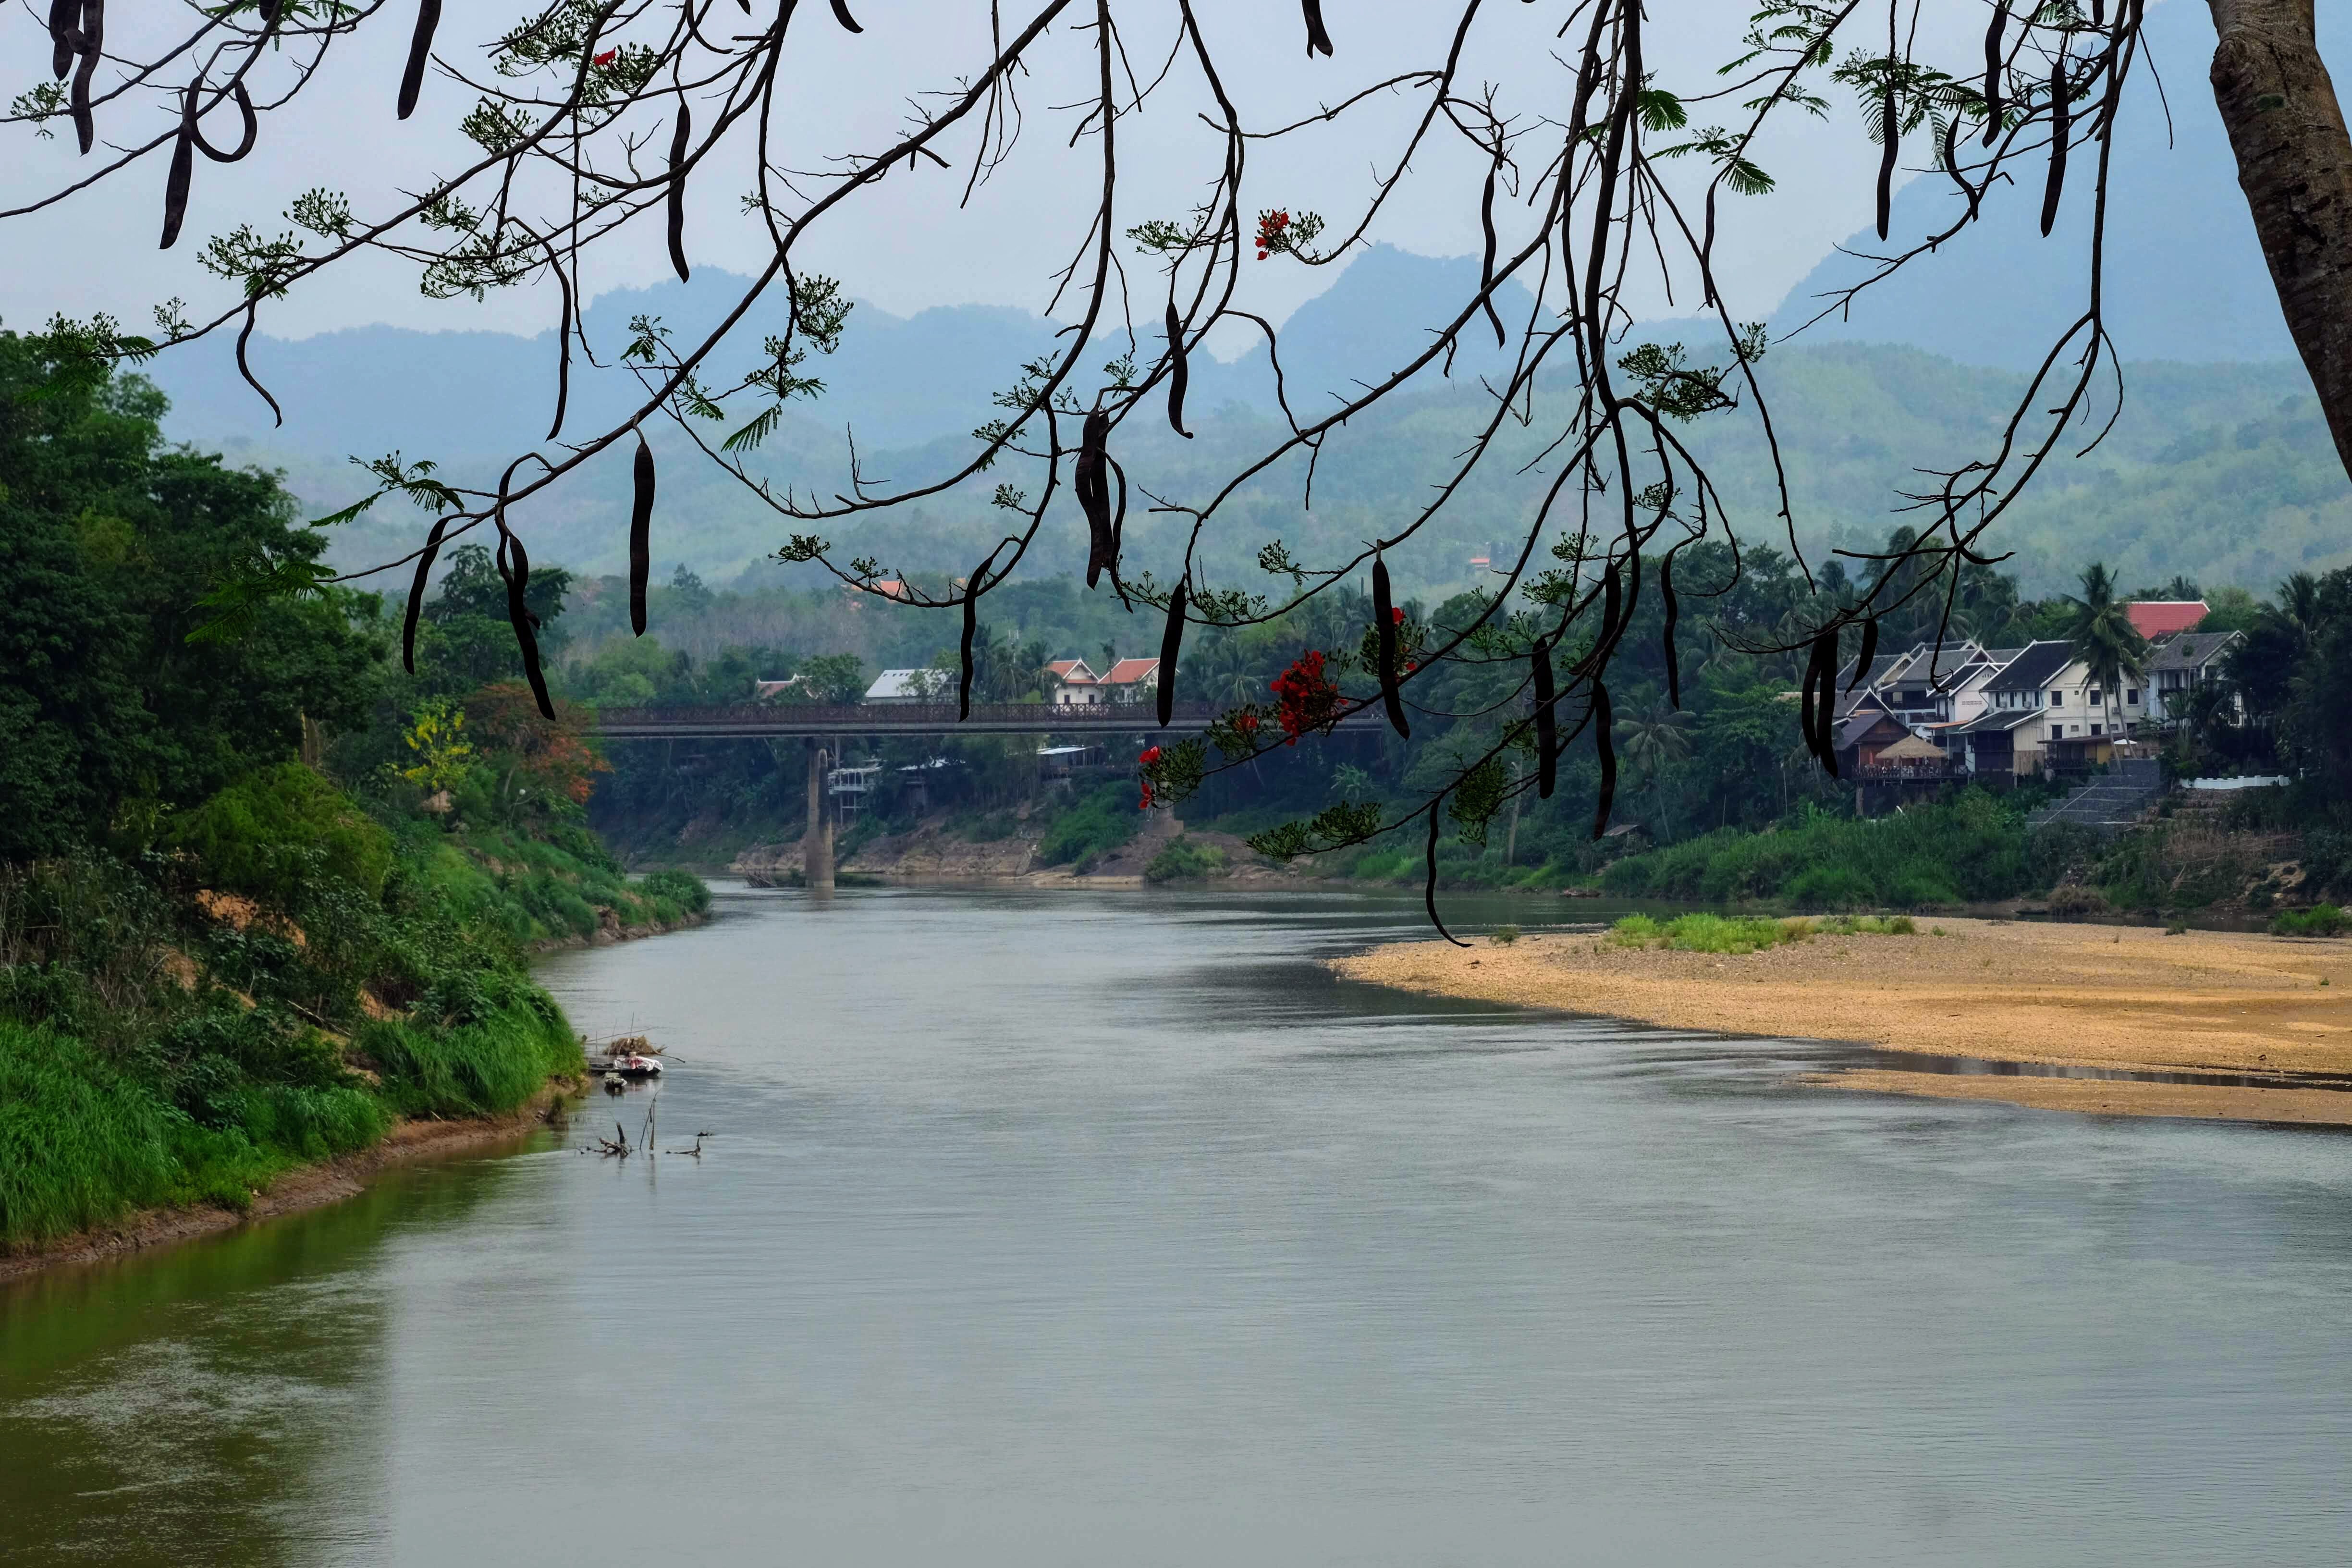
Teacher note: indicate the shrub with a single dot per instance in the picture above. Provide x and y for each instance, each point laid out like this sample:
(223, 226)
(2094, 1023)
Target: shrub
(2074, 901)
(79, 1144)
(1829, 887)
(1504, 935)
(272, 831)
(1091, 828)
(684, 888)
(2325, 919)
(1183, 860)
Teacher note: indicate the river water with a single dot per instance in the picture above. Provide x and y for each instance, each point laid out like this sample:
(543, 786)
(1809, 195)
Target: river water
(1063, 1228)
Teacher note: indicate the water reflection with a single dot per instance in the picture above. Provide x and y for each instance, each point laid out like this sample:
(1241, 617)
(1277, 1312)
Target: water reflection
(1043, 1229)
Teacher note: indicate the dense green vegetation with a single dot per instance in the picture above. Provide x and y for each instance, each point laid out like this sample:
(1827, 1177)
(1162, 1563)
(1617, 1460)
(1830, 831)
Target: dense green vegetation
(260, 894)
(1182, 860)
(1707, 933)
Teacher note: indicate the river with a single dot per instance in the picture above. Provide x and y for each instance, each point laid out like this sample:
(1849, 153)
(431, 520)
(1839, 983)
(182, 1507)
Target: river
(1073, 1229)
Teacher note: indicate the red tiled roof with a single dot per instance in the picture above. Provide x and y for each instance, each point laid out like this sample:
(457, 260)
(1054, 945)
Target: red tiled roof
(1127, 671)
(2160, 617)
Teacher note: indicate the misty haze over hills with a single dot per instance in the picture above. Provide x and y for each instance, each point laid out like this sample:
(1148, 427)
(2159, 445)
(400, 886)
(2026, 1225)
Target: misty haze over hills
(2223, 471)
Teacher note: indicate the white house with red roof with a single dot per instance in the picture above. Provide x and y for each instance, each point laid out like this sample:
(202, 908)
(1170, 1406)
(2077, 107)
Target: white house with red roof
(1127, 680)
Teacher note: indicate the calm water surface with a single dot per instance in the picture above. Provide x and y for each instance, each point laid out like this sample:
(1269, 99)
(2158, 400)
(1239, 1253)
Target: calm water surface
(1061, 1228)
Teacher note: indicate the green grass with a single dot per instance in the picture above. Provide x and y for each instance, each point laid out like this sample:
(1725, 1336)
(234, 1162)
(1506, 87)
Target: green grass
(1748, 934)
(2325, 919)
(1094, 826)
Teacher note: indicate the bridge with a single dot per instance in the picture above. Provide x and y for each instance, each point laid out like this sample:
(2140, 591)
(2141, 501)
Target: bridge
(818, 721)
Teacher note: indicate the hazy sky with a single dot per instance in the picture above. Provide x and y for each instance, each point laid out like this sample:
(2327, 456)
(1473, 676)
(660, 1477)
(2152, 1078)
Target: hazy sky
(906, 246)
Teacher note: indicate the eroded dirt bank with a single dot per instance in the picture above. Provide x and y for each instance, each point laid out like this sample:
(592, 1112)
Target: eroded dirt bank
(2111, 998)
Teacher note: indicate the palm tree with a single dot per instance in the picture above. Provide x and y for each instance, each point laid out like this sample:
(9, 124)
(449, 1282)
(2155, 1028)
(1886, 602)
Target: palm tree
(2099, 626)
(1653, 739)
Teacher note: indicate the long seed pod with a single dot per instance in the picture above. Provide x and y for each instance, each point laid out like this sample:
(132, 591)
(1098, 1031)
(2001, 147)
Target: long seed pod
(641, 530)
(1171, 643)
(1825, 657)
(1118, 521)
(1891, 146)
(1318, 40)
(1094, 493)
(1547, 721)
(416, 596)
(92, 43)
(1810, 704)
(1673, 614)
(1180, 373)
(1612, 604)
(1869, 652)
(971, 635)
(1429, 880)
(65, 19)
(677, 140)
(1992, 72)
(1486, 264)
(524, 623)
(2060, 114)
(563, 346)
(183, 165)
(420, 48)
(245, 141)
(1384, 622)
(841, 14)
(1607, 746)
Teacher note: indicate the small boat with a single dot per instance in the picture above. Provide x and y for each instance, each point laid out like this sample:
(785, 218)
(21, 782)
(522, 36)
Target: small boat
(627, 1064)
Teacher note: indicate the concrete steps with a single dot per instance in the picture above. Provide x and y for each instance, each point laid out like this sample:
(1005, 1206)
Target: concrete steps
(2106, 804)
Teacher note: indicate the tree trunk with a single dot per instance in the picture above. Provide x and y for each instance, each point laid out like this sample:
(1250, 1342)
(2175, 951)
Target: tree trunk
(2295, 163)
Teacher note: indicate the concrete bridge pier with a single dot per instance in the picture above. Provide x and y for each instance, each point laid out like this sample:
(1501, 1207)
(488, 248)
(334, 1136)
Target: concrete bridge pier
(816, 845)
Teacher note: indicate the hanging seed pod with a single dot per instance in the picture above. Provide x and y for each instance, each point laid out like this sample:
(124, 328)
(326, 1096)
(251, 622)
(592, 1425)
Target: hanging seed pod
(1809, 701)
(65, 20)
(183, 165)
(1091, 483)
(1607, 746)
(1486, 265)
(971, 635)
(1171, 642)
(1117, 521)
(1673, 614)
(416, 596)
(1887, 155)
(2061, 114)
(1384, 621)
(1180, 373)
(245, 141)
(420, 48)
(1547, 721)
(1869, 651)
(1613, 605)
(525, 623)
(91, 43)
(1429, 881)
(563, 347)
(1825, 659)
(1318, 40)
(677, 140)
(1992, 72)
(641, 529)
(841, 14)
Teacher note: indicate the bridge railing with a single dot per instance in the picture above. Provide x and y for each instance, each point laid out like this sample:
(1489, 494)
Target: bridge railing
(849, 717)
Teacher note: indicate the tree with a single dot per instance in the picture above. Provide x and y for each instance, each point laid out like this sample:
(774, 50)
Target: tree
(111, 540)
(590, 118)
(1653, 740)
(2099, 626)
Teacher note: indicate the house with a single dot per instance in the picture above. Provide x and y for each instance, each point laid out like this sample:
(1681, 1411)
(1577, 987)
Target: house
(1131, 680)
(1929, 684)
(1863, 733)
(771, 690)
(2025, 707)
(1075, 685)
(910, 686)
(2180, 664)
(2154, 618)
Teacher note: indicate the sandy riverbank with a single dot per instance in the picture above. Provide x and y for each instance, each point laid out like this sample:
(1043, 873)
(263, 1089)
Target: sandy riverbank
(306, 1187)
(2115, 998)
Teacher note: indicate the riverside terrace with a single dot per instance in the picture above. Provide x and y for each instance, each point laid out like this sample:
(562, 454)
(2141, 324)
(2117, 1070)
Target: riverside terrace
(820, 721)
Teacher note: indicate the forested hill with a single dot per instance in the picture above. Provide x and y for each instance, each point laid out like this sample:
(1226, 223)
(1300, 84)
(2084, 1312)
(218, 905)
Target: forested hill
(2223, 472)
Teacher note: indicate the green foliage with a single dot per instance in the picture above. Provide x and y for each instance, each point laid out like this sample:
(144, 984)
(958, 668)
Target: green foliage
(1504, 934)
(1707, 933)
(683, 889)
(1974, 848)
(1181, 860)
(275, 829)
(1098, 823)
(2325, 919)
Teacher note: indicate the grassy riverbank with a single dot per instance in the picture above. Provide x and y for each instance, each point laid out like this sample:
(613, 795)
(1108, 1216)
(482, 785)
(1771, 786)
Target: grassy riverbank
(277, 980)
(2120, 999)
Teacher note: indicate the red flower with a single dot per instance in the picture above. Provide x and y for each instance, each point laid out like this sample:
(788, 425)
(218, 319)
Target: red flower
(606, 58)
(1150, 755)
(1397, 615)
(1145, 803)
